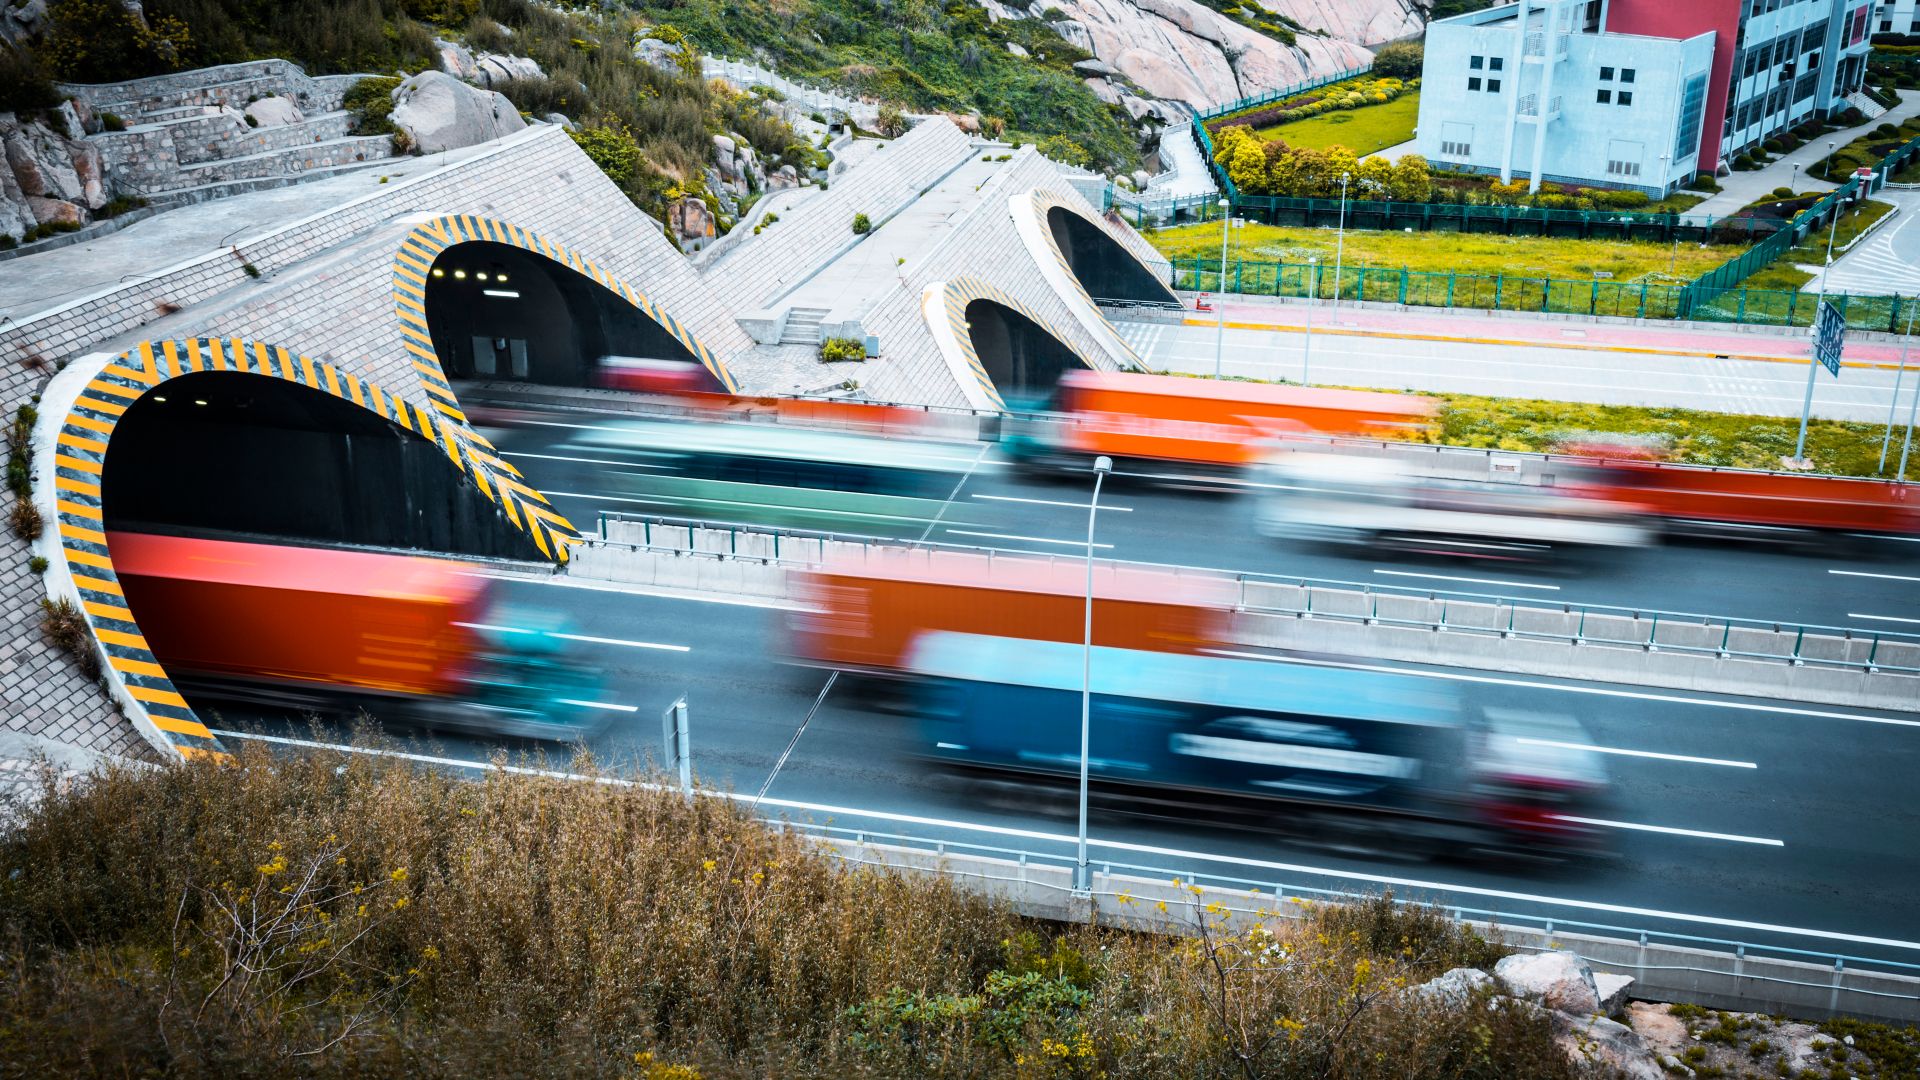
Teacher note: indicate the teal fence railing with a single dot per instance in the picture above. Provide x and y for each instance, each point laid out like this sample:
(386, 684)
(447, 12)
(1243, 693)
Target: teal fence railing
(1281, 94)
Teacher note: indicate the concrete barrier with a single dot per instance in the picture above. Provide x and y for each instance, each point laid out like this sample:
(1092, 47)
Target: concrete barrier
(1691, 653)
(1661, 971)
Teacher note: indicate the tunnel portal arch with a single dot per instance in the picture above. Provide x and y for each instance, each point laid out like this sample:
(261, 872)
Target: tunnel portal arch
(553, 314)
(1024, 359)
(75, 480)
(1105, 269)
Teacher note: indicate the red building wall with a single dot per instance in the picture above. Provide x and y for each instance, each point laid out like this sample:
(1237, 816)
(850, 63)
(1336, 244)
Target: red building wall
(1683, 19)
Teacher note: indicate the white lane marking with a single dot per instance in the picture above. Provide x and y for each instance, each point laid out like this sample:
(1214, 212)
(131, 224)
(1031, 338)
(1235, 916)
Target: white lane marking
(1104, 507)
(1863, 573)
(1880, 618)
(581, 460)
(577, 637)
(1639, 695)
(1471, 580)
(599, 705)
(1687, 758)
(647, 590)
(1670, 830)
(1028, 539)
(1116, 845)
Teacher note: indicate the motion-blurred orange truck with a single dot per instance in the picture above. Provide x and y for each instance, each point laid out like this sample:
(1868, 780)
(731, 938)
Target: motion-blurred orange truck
(1210, 423)
(864, 613)
(1758, 505)
(400, 636)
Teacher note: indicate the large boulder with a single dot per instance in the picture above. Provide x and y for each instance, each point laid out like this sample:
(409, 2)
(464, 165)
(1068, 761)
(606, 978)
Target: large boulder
(439, 112)
(43, 163)
(274, 111)
(659, 54)
(16, 217)
(492, 69)
(1558, 980)
(1612, 990)
(1608, 1044)
(22, 21)
(455, 60)
(1457, 987)
(690, 220)
(56, 211)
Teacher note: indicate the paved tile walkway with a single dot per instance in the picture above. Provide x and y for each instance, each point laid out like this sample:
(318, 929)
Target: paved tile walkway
(1790, 170)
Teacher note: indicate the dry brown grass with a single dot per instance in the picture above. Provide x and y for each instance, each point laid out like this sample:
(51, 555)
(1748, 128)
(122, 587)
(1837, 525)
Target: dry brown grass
(338, 914)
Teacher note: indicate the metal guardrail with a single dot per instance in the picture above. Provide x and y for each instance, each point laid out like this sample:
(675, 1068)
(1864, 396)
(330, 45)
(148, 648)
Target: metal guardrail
(1459, 611)
(1282, 892)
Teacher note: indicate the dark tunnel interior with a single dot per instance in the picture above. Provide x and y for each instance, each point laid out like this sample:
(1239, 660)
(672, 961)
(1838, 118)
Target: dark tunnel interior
(497, 312)
(1106, 270)
(1024, 361)
(223, 453)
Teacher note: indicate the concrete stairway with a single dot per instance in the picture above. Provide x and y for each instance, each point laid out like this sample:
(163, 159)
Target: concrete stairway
(1868, 107)
(802, 326)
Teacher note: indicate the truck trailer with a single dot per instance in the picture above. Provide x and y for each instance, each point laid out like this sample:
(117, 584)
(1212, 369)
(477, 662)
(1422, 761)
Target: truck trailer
(1323, 752)
(403, 637)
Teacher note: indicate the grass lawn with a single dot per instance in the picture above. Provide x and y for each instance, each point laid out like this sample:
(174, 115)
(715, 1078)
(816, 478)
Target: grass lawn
(1693, 436)
(1363, 131)
(1447, 252)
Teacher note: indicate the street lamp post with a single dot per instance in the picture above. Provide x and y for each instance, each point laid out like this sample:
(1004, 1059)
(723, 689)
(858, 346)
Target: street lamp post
(1912, 408)
(1340, 243)
(1306, 353)
(1082, 879)
(1898, 377)
(1220, 305)
(1829, 169)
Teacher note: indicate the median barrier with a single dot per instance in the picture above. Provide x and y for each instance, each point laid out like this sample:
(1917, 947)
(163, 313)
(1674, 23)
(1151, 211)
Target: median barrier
(1823, 666)
(1733, 977)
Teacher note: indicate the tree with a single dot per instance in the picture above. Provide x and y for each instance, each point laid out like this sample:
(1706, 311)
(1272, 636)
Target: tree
(1400, 60)
(1412, 180)
(1248, 168)
(1065, 151)
(104, 41)
(1375, 178)
(1227, 141)
(892, 122)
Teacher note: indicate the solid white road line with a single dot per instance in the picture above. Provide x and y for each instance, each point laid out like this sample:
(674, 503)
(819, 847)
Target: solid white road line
(647, 590)
(599, 705)
(1470, 580)
(1687, 758)
(577, 637)
(1863, 573)
(1054, 502)
(1596, 691)
(1880, 618)
(1027, 539)
(1671, 831)
(1115, 845)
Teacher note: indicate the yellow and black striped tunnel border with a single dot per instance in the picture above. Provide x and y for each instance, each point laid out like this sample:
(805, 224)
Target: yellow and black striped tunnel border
(413, 262)
(1043, 201)
(80, 455)
(957, 293)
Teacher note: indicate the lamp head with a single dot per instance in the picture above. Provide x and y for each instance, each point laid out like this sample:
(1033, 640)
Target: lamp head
(1103, 464)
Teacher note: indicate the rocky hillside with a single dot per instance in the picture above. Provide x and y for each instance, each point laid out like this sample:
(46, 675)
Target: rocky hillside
(1369, 22)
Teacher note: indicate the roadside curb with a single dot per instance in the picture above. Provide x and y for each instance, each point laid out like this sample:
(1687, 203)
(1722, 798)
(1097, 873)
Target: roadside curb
(1585, 346)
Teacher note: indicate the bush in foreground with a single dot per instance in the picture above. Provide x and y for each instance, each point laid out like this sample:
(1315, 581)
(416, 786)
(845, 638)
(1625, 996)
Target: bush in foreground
(342, 914)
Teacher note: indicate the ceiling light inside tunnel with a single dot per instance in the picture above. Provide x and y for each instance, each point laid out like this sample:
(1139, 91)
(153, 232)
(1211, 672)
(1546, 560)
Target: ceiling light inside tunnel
(501, 277)
(482, 275)
(461, 274)
(504, 294)
(199, 401)
(160, 399)
(437, 272)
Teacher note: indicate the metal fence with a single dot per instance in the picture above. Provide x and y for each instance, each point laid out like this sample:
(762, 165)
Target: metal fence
(1439, 610)
(1420, 288)
(1281, 94)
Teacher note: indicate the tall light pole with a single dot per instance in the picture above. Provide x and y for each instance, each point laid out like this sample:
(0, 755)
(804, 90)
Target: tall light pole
(1220, 305)
(1340, 243)
(1828, 172)
(1306, 353)
(1082, 879)
(1898, 376)
(1912, 408)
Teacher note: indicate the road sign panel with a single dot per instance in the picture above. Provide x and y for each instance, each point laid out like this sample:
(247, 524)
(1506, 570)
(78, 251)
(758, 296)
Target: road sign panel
(1829, 334)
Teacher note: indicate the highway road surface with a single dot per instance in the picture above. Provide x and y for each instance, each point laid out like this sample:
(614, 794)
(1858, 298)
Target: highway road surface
(1600, 375)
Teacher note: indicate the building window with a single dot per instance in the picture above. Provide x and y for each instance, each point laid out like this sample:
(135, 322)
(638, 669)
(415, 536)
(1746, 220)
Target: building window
(1456, 149)
(1603, 96)
(1473, 82)
(1626, 74)
(1476, 62)
(1693, 101)
(1606, 74)
(1626, 97)
(1623, 168)
(1496, 63)
(1493, 86)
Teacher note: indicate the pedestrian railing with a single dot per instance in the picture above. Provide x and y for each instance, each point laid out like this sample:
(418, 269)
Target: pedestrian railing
(1364, 602)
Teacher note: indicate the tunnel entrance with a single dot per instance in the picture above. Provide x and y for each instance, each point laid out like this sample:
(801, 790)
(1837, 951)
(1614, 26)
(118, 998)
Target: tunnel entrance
(234, 453)
(498, 312)
(1106, 269)
(1024, 361)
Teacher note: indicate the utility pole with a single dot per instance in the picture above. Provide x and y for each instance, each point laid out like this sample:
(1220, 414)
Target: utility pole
(1220, 305)
(1082, 876)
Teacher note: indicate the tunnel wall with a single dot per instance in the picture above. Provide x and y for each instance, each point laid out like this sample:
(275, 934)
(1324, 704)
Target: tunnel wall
(69, 489)
(1104, 268)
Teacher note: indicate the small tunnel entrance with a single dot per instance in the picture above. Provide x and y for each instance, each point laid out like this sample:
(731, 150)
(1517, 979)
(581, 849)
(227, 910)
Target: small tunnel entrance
(1024, 361)
(498, 312)
(1106, 270)
(234, 453)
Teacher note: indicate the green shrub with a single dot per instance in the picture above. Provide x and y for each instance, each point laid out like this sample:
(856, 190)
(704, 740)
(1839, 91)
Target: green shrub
(66, 628)
(841, 348)
(371, 102)
(105, 41)
(861, 225)
(8, 242)
(1704, 182)
(611, 145)
(20, 452)
(37, 564)
(1401, 60)
(1783, 193)
(25, 522)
